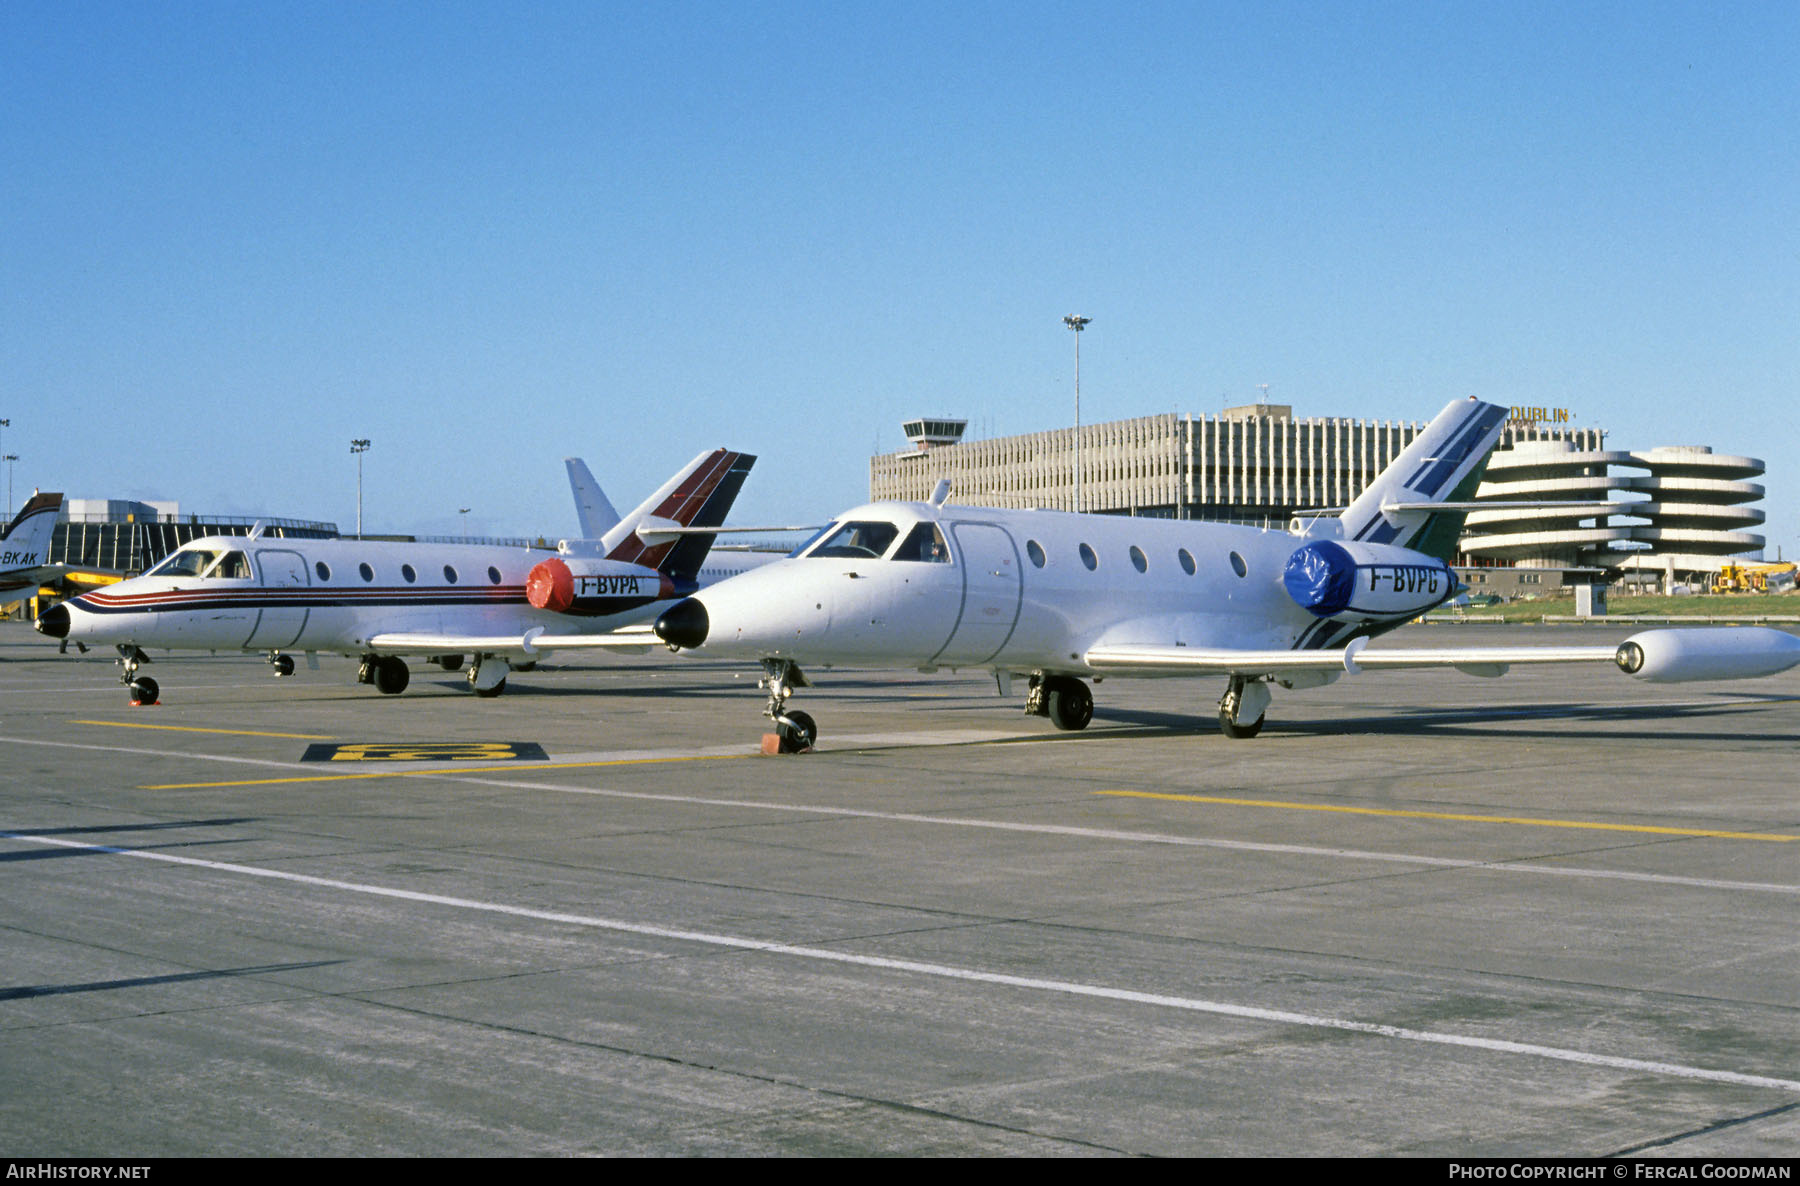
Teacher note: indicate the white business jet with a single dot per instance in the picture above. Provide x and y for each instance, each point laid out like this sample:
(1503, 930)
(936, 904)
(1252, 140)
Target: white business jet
(1059, 598)
(25, 548)
(502, 606)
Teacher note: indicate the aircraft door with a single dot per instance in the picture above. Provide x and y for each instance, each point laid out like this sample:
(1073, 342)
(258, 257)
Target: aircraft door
(284, 611)
(991, 587)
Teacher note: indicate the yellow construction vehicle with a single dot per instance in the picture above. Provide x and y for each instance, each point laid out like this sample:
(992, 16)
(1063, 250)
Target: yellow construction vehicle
(1754, 578)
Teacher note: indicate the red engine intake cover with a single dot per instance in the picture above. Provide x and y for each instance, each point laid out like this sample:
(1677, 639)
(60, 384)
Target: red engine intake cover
(551, 586)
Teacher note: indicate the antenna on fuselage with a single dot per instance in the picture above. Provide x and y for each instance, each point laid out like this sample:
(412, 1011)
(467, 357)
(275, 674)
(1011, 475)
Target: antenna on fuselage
(940, 493)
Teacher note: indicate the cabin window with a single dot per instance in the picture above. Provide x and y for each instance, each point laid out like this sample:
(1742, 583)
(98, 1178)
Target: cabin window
(1088, 558)
(1137, 559)
(365, 572)
(1187, 561)
(407, 574)
(1035, 550)
(924, 542)
(858, 541)
(449, 574)
(493, 575)
(323, 569)
(1238, 566)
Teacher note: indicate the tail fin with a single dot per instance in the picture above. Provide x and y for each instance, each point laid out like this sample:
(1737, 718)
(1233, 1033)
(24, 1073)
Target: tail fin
(699, 496)
(592, 508)
(27, 538)
(1442, 465)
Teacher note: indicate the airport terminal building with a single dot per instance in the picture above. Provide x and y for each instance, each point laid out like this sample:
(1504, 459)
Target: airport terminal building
(1681, 510)
(125, 536)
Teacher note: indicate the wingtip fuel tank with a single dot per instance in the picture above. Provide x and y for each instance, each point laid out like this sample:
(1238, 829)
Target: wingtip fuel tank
(1715, 652)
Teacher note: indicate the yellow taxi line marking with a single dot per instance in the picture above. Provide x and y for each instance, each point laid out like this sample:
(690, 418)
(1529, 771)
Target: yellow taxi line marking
(510, 768)
(1445, 815)
(197, 729)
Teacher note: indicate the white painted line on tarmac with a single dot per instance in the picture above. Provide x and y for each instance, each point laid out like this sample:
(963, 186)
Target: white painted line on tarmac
(140, 751)
(1305, 850)
(950, 972)
(1536, 866)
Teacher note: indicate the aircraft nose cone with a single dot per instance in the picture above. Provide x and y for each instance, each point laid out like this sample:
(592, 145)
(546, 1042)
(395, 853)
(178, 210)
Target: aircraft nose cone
(683, 624)
(54, 622)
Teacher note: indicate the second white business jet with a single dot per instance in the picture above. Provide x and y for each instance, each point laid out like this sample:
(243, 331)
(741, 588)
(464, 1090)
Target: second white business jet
(1060, 598)
(502, 606)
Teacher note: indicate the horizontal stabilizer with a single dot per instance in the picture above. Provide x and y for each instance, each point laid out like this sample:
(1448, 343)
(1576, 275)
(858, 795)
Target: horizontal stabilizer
(1592, 508)
(662, 531)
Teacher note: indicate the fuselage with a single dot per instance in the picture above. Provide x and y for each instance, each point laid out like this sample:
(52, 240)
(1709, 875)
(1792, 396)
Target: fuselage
(237, 593)
(918, 584)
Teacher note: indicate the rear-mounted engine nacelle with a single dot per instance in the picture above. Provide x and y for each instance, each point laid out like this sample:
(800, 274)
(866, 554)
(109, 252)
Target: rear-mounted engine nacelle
(1356, 582)
(590, 588)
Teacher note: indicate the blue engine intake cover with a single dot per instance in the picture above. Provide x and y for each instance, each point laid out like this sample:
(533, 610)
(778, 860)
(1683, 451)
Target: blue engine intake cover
(1365, 582)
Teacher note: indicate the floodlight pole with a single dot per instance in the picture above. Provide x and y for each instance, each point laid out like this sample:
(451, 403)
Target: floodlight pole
(359, 447)
(1077, 324)
(9, 459)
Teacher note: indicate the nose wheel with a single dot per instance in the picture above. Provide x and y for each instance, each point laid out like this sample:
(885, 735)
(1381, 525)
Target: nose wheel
(142, 688)
(795, 731)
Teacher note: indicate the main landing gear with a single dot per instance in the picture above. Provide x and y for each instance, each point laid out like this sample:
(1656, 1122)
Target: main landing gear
(795, 731)
(1069, 704)
(143, 689)
(1241, 707)
(487, 676)
(283, 664)
(388, 673)
(1062, 698)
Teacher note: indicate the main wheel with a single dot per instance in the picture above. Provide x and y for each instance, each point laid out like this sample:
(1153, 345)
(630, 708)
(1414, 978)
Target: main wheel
(1069, 704)
(1236, 731)
(798, 737)
(143, 690)
(391, 676)
(490, 693)
(283, 665)
(1242, 697)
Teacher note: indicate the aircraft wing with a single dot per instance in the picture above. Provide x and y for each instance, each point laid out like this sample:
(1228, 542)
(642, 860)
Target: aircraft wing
(628, 639)
(1661, 656)
(1154, 660)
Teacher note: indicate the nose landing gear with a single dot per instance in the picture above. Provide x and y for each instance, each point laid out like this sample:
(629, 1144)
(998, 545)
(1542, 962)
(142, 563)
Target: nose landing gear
(142, 688)
(795, 732)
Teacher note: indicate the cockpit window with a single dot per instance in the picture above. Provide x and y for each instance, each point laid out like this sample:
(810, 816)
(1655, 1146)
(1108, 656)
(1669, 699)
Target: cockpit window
(189, 562)
(858, 540)
(924, 542)
(810, 540)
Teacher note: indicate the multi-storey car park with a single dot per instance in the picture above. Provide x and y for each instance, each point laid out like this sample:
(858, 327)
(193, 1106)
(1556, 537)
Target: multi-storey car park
(1679, 510)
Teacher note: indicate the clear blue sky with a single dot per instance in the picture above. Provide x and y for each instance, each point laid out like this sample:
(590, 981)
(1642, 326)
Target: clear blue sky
(488, 236)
